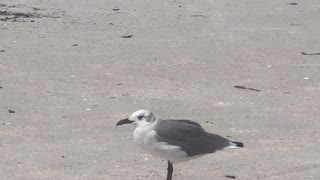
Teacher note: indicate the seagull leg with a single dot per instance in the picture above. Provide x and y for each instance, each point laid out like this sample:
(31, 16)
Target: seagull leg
(170, 171)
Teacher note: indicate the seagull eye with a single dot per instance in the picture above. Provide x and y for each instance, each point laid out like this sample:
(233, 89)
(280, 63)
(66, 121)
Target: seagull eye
(140, 117)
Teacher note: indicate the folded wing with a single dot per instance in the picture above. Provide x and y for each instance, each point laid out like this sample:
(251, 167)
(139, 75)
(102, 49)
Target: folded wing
(190, 136)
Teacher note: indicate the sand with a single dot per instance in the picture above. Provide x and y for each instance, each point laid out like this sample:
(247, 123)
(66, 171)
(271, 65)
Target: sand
(70, 69)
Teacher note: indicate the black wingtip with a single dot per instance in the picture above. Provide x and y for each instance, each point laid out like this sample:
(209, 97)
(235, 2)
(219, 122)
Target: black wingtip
(239, 144)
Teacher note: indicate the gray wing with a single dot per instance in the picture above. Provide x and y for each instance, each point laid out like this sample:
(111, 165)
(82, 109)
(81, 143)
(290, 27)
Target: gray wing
(190, 136)
(185, 121)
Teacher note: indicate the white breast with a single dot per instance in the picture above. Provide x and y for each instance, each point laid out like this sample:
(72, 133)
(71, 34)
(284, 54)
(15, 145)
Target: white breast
(145, 137)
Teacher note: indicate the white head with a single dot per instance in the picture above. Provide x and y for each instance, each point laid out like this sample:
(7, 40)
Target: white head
(139, 118)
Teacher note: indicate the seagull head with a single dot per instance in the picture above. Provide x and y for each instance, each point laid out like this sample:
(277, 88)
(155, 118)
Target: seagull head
(139, 118)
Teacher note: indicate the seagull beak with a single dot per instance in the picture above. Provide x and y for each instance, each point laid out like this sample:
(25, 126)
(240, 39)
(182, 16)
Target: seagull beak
(124, 121)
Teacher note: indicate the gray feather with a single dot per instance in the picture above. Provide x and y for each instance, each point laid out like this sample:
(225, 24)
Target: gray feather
(190, 136)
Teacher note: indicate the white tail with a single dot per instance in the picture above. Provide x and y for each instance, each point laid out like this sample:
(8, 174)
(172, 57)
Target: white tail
(235, 145)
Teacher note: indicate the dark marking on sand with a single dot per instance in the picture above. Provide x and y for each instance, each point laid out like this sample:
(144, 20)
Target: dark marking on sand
(209, 122)
(309, 54)
(127, 36)
(243, 87)
(230, 176)
(36, 9)
(198, 15)
(14, 16)
(11, 111)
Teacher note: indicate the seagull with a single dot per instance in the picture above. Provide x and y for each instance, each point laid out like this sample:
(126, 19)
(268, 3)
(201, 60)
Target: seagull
(174, 140)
